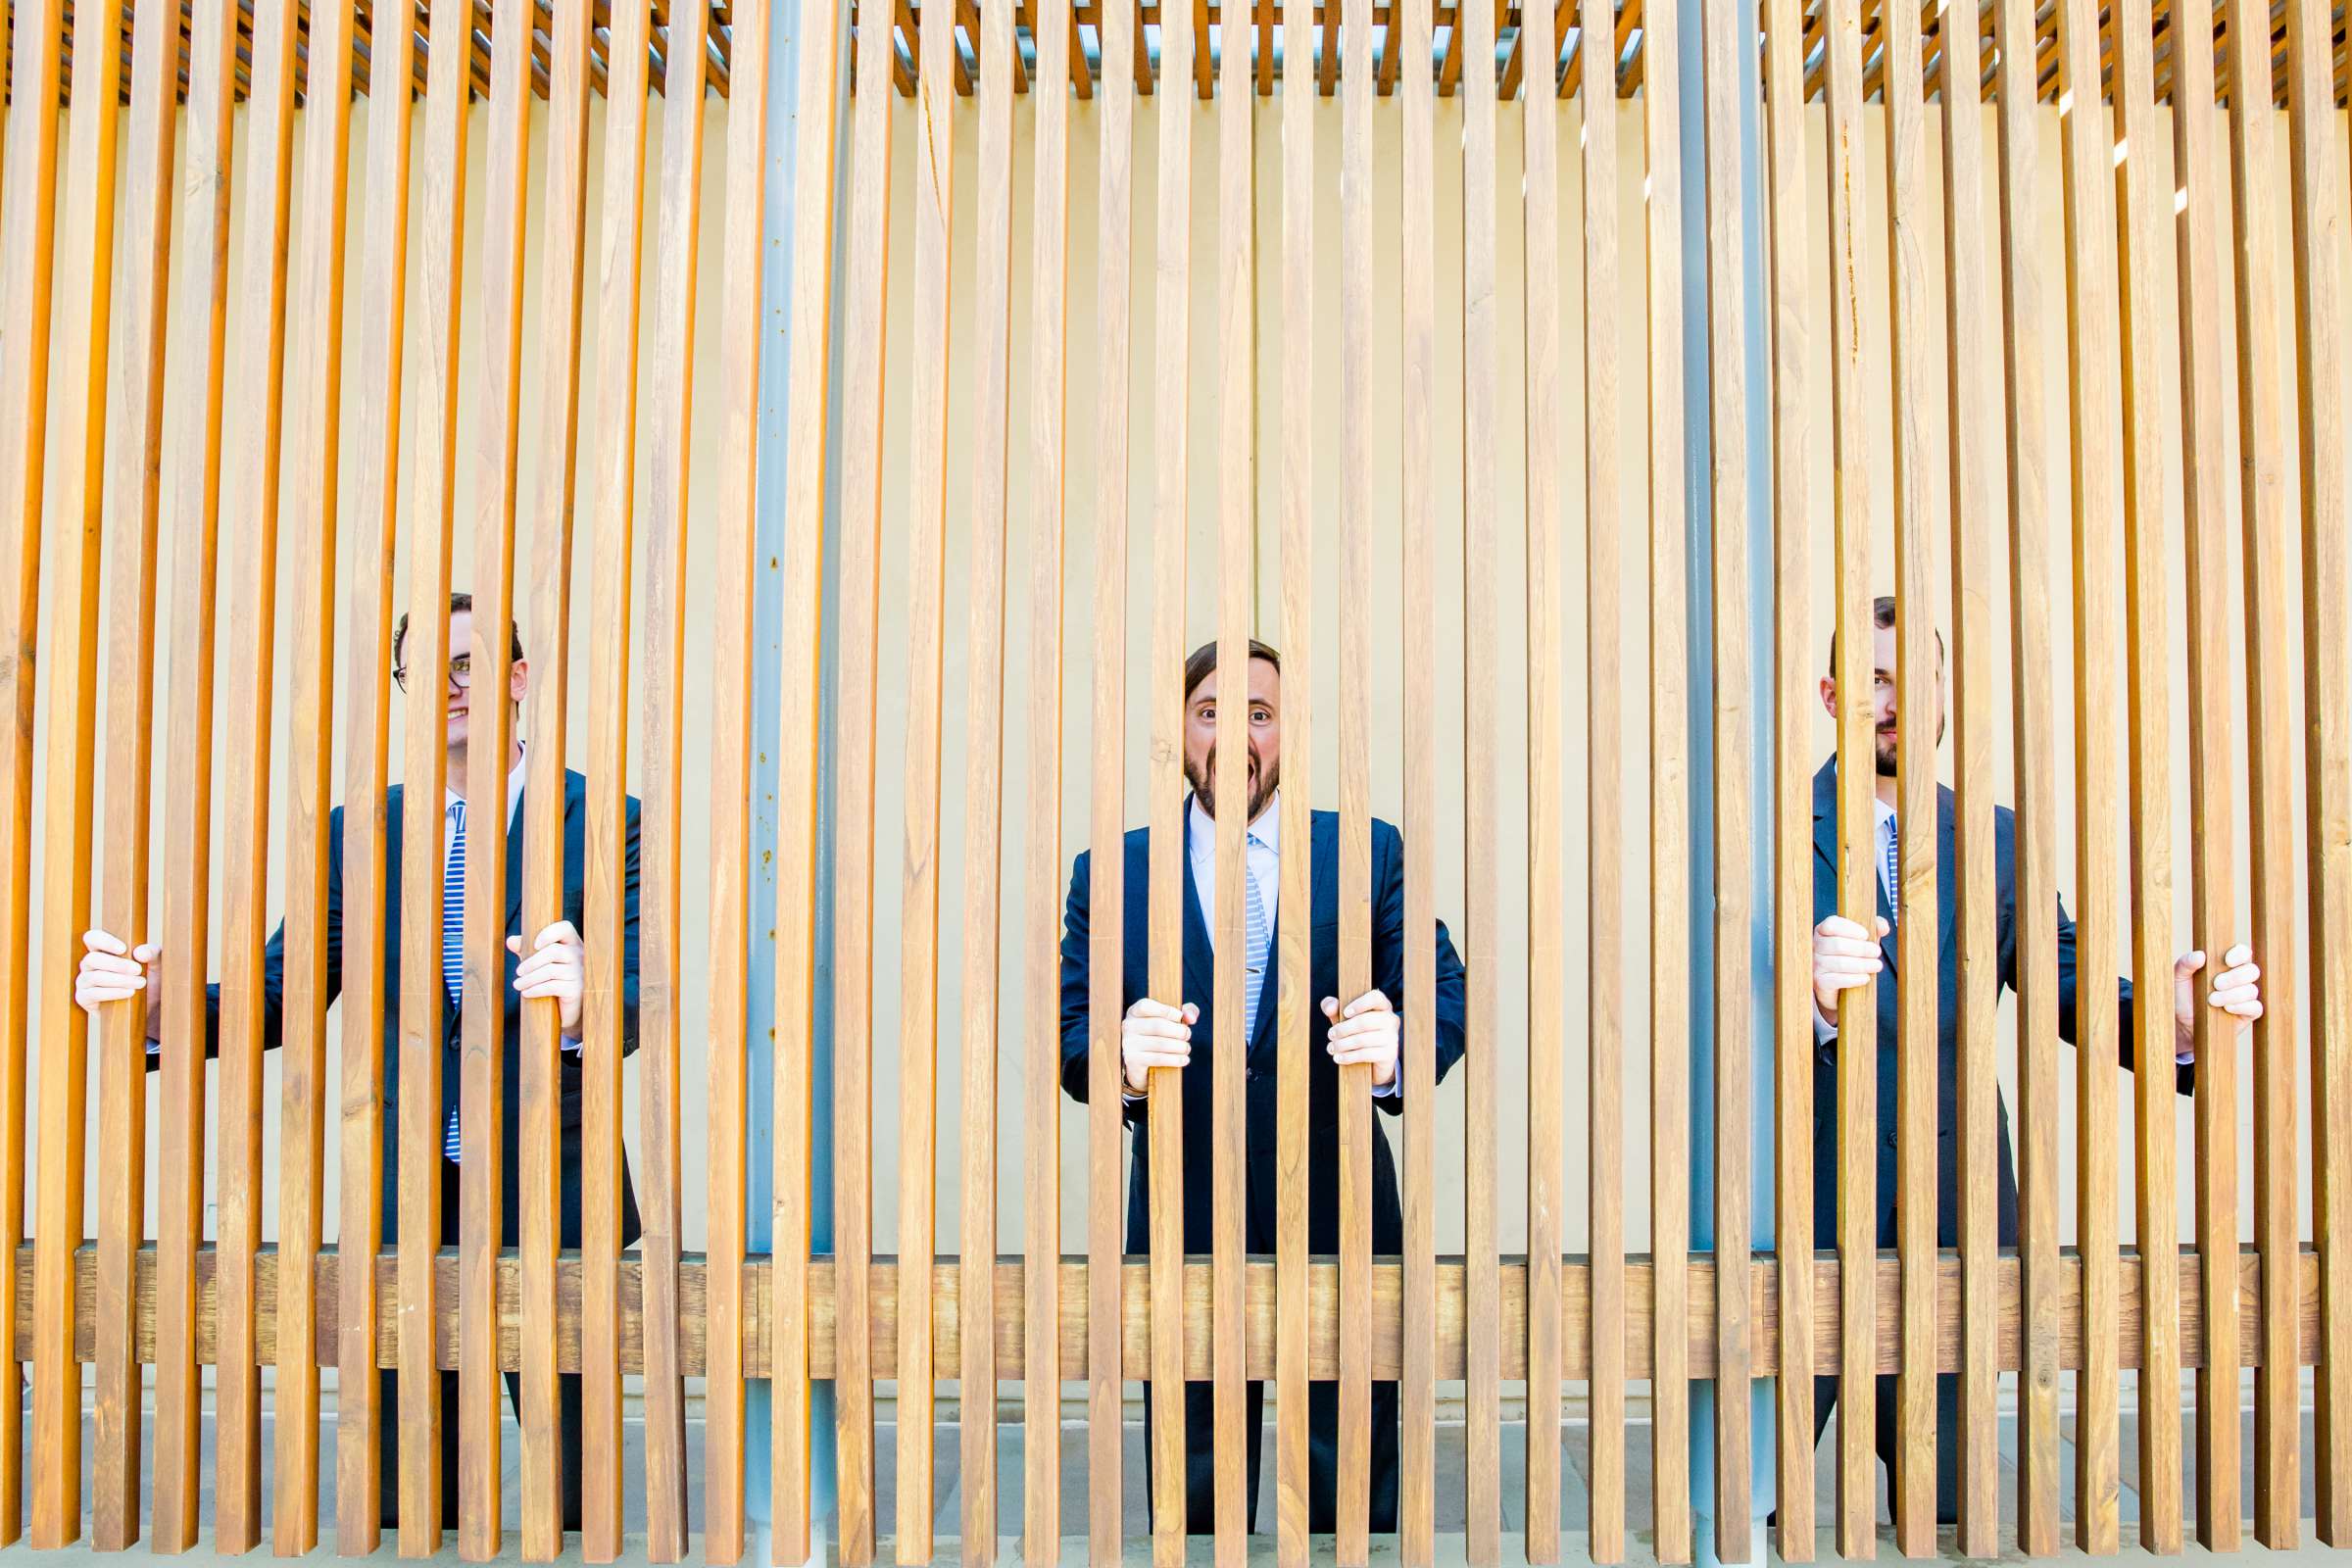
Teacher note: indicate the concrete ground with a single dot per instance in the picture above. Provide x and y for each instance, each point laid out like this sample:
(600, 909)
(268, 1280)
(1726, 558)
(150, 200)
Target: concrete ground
(948, 1493)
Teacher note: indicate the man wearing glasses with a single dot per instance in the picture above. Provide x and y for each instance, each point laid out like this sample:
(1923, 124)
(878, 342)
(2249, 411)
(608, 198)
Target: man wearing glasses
(554, 969)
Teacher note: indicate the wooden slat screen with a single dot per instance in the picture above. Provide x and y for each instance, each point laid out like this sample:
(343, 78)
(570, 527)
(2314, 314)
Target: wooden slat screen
(1296, 373)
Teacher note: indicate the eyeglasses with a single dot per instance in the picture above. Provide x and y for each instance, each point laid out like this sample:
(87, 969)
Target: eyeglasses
(461, 672)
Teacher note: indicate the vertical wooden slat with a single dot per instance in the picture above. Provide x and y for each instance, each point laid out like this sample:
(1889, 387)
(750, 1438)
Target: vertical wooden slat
(202, 317)
(2203, 226)
(606, 846)
(2315, 151)
(918, 964)
(1547, 720)
(735, 543)
(1973, 464)
(2036, 977)
(2147, 209)
(1170, 510)
(660, 855)
(816, 154)
(1354, 1457)
(1918, 671)
(1293, 994)
(1794, 675)
(1669, 807)
(1107, 832)
(359, 1233)
(258, 426)
(424, 774)
(83, 310)
(1237, 476)
(983, 795)
(854, 824)
(1416, 1391)
(1728, 486)
(1604, 734)
(1481, 670)
(29, 209)
(2092, 403)
(1858, 1011)
(134, 412)
(550, 619)
(1049, 407)
(2268, 563)
(481, 1090)
(312, 497)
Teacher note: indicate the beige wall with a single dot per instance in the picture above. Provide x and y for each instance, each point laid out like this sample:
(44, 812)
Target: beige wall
(1501, 605)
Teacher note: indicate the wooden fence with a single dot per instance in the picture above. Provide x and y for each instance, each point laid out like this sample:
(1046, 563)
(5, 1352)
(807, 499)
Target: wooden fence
(102, 310)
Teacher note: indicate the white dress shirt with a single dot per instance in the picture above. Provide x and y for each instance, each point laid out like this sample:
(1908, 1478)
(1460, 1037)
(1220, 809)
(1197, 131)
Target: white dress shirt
(1262, 852)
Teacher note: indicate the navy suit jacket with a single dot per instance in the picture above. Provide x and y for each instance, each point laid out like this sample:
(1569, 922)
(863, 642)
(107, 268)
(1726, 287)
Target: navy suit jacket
(1947, 1024)
(1323, 1079)
(575, 865)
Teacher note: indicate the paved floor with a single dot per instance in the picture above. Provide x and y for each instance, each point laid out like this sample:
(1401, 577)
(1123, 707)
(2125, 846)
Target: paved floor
(948, 1492)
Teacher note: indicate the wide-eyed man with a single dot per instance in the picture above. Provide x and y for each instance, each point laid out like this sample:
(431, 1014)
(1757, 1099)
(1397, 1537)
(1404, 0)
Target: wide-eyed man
(1172, 1032)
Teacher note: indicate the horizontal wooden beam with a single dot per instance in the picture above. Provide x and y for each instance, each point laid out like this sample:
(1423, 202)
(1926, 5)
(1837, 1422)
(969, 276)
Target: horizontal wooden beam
(1135, 1327)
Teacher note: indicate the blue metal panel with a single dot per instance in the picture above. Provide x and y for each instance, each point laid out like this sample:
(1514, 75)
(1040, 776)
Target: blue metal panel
(783, 109)
(1705, 775)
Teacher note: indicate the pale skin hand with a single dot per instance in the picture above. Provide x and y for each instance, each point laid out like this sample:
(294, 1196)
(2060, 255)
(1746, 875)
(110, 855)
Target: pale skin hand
(2236, 992)
(1845, 957)
(1366, 1033)
(1156, 1035)
(111, 971)
(557, 966)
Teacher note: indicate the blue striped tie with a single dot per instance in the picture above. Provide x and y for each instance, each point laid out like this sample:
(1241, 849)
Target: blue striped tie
(1258, 938)
(1894, 875)
(453, 936)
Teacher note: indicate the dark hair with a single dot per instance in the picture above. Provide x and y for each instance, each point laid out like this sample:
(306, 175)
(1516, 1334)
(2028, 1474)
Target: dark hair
(1882, 614)
(458, 600)
(1204, 664)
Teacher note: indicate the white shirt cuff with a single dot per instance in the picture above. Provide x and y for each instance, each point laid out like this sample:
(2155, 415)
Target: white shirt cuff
(1823, 1030)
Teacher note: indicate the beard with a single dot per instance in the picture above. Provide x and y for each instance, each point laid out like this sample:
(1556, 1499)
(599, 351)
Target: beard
(1887, 748)
(1202, 777)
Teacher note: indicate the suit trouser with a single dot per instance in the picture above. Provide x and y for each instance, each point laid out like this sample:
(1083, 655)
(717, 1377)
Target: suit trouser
(567, 1399)
(1887, 1439)
(1322, 1455)
(569, 1423)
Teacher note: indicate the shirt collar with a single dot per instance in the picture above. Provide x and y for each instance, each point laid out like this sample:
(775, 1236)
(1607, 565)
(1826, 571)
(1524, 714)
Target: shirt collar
(1880, 814)
(451, 795)
(1202, 827)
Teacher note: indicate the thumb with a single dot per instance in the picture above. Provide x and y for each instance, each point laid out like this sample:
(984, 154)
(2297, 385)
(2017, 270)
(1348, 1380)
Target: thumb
(1331, 1009)
(515, 946)
(1192, 1014)
(2188, 964)
(1881, 922)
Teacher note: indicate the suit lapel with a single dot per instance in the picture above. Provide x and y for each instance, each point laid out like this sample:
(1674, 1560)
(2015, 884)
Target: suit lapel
(1198, 970)
(1948, 873)
(1824, 844)
(515, 863)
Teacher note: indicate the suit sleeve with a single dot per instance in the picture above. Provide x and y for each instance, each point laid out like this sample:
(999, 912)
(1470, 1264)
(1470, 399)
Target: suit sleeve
(274, 960)
(628, 938)
(2126, 1037)
(1387, 954)
(1077, 951)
